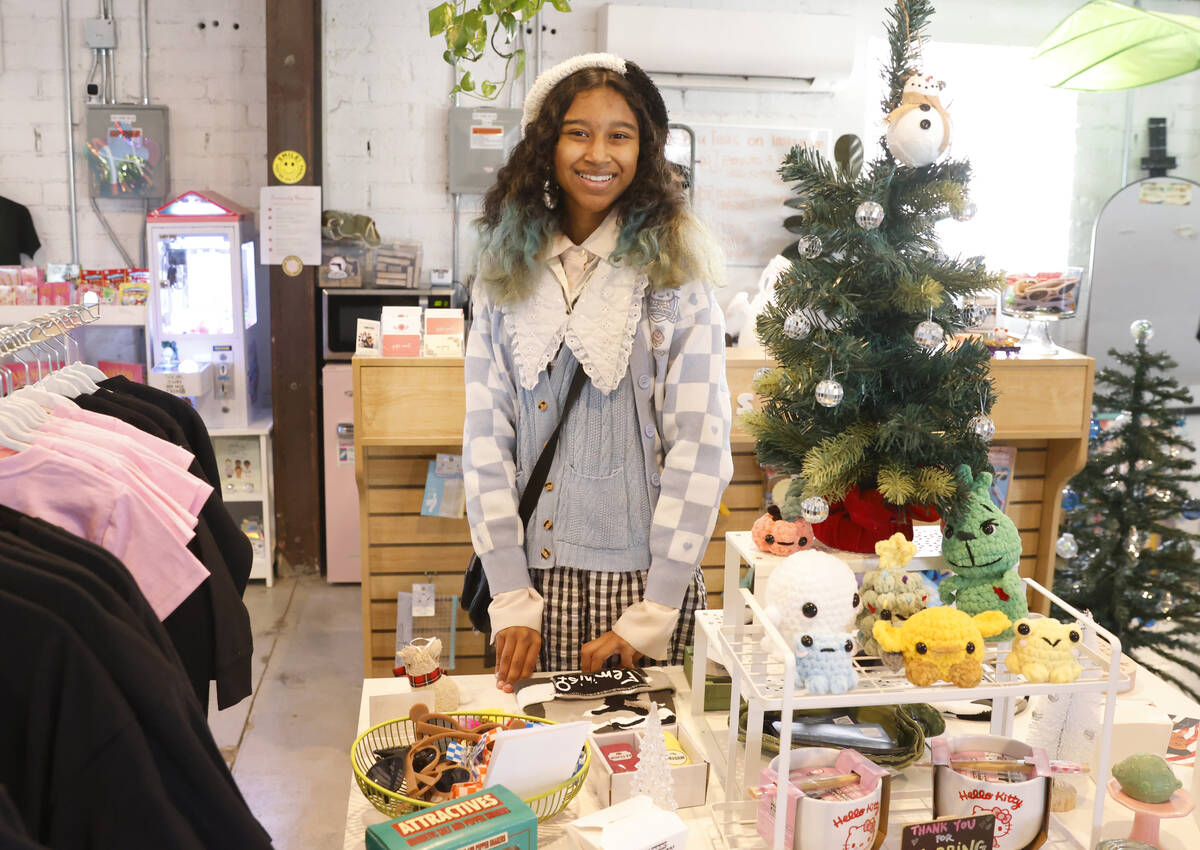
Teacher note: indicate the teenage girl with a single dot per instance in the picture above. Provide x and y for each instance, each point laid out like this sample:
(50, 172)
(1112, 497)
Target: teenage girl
(590, 255)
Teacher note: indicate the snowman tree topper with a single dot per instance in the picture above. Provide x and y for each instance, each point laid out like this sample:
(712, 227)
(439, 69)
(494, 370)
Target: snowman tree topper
(918, 130)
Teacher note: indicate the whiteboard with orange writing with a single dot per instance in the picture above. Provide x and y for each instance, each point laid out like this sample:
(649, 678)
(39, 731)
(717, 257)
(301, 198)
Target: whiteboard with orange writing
(738, 190)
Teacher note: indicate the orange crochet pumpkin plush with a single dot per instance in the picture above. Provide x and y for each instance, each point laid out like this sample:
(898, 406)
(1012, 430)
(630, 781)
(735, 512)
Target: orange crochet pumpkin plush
(773, 534)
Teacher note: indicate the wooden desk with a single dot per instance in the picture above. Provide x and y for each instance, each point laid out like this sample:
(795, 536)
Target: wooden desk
(408, 409)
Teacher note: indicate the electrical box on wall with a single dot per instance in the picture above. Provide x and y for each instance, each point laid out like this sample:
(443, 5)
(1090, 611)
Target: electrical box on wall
(481, 137)
(127, 151)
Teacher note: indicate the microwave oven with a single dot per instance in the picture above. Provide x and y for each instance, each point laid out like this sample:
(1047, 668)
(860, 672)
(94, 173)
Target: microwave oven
(342, 308)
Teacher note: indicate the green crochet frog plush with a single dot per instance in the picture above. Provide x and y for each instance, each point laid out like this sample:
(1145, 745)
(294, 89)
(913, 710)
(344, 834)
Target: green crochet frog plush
(982, 547)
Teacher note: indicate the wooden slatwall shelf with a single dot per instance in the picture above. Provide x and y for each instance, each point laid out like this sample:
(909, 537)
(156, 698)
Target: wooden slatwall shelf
(408, 410)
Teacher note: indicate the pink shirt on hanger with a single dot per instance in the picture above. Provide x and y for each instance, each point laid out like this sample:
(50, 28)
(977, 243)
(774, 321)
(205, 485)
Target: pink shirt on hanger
(171, 453)
(179, 521)
(184, 488)
(87, 503)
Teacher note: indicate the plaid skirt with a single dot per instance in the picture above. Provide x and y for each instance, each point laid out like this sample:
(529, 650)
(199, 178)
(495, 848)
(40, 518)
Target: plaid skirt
(581, 605)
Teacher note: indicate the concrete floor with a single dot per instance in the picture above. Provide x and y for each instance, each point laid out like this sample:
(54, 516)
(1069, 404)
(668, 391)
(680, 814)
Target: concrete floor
(289, 742)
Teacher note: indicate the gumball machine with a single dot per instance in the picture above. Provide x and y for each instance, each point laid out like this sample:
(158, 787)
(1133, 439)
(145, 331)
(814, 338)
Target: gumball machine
(208, 310)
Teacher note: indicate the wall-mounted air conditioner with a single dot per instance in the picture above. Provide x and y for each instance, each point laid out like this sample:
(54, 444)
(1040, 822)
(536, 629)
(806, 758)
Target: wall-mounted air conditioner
(731, 50)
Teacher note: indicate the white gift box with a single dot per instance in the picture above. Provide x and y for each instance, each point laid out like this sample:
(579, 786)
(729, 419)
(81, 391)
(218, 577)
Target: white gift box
(690, 780)
(635, 824)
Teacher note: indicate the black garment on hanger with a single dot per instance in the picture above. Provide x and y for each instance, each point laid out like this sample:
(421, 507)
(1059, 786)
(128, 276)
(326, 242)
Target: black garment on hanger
(211, 628)
(182, 412)
(62, 564)
(72, 755)
(17, 234)
(191, 768)
(13, 835)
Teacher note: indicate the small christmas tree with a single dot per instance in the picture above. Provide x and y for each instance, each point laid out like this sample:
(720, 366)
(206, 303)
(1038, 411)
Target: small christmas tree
(1124, 557)
(872, 407)
(653, 774)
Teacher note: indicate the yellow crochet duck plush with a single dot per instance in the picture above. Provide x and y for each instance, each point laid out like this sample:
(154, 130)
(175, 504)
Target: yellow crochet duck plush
(1044, 650)
(942, 643)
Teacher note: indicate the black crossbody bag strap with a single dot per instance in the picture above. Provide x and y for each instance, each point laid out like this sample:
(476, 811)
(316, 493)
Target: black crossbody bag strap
(537, 478)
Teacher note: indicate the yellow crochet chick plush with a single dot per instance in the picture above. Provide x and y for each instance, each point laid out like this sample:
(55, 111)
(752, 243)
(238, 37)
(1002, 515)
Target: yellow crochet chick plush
(942, 644)
(1044, 650)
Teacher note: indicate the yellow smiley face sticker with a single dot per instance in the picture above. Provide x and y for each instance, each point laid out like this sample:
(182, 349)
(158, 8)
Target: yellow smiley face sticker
(289, 167)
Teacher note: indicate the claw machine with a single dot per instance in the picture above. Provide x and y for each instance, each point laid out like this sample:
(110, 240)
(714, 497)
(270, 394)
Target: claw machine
(208, 314)
(209, 342)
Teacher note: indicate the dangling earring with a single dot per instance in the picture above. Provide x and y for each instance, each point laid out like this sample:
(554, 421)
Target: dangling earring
(549, 199)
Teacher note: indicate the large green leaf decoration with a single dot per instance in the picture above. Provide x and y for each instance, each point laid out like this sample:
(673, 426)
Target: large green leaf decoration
(1109, 46)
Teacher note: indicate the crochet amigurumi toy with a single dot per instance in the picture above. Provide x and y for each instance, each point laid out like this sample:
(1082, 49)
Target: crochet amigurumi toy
(942, 643)
(891, 595)
(811, 592)
(778, 536)
(982, 547)
(1044, 651)
(824, 663)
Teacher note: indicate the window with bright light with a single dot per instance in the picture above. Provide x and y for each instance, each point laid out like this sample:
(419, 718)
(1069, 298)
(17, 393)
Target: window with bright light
(1019, 136)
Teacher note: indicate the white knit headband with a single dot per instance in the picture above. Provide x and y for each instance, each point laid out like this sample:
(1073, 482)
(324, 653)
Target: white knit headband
(551, 77)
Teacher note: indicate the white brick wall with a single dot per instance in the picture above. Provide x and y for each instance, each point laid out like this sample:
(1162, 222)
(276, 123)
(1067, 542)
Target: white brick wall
(385, 83)
(213, 80)
(385, 118)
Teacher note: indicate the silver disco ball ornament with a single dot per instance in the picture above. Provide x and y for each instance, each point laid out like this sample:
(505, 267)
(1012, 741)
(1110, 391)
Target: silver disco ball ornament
(814, 509)
(869, 215)
(929, 336)
(1066, 546)
(967, 211)
(809, 247)
(1142, 330)
(829, 393)
(797, 326)
(982, 426)
(759, 374)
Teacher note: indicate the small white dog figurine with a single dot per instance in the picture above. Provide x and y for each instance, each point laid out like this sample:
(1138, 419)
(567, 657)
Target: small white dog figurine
(423, 668)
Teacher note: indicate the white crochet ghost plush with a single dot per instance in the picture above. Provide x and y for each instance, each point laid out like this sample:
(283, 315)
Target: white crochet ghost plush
(812, 592)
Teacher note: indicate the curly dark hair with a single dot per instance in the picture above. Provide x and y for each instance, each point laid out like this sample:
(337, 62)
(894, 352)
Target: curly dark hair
(653, 213)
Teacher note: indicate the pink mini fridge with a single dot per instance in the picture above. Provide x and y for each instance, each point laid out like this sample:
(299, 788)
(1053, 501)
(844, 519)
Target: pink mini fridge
(343, 543)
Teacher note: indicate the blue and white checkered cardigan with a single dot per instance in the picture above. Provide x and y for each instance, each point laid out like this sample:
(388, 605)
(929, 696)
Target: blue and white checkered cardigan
(679, 345)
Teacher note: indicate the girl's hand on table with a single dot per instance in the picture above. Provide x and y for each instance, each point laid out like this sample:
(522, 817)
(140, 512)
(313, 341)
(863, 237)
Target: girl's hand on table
(594, 653)
(517, 649)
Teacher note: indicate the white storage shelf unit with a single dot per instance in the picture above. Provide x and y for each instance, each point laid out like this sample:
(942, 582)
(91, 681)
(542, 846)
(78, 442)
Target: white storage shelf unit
(249, 493)
(759, 661)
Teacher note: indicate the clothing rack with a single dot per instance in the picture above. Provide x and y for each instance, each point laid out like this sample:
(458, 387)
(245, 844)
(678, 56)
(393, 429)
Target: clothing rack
(33, 335)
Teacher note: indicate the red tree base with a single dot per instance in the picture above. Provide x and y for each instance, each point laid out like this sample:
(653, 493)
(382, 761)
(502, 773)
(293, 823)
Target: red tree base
(862, 519)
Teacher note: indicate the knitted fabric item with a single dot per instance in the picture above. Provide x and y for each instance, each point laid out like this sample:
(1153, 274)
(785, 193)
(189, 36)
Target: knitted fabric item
(825, 665)
(551, 77)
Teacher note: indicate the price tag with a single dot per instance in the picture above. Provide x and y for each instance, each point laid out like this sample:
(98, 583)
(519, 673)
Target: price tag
(423, 600)
(976, 832)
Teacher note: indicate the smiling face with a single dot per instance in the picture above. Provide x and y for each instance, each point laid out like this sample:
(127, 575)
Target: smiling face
(980, 539)
(595, 159)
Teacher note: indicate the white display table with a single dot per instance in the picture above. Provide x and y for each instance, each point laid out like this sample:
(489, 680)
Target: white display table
(1071, 831)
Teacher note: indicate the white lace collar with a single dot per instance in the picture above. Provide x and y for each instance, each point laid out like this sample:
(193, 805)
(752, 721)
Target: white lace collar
(599, 330)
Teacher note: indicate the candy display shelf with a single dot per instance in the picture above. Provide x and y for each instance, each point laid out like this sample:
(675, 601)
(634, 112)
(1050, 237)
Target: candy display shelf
(762, 666)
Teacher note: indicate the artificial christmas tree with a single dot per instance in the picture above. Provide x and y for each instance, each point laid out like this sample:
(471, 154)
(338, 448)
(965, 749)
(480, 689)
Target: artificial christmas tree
(872, 406)
(1124, 557)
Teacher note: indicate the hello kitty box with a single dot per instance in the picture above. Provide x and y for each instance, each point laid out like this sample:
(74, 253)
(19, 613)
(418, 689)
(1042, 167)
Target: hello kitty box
(1022, 809)
(854, 818)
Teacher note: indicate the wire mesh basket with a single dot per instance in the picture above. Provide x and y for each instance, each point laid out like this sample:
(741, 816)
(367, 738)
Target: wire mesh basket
(402, 732)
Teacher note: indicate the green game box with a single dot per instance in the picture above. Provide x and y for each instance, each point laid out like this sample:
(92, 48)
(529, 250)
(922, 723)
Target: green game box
(492, 819)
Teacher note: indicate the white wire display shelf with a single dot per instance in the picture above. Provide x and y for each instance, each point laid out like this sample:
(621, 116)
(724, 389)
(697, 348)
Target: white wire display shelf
(762, 668)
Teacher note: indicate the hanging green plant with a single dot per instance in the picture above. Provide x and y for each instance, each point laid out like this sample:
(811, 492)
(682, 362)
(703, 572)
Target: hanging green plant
(466, 26)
